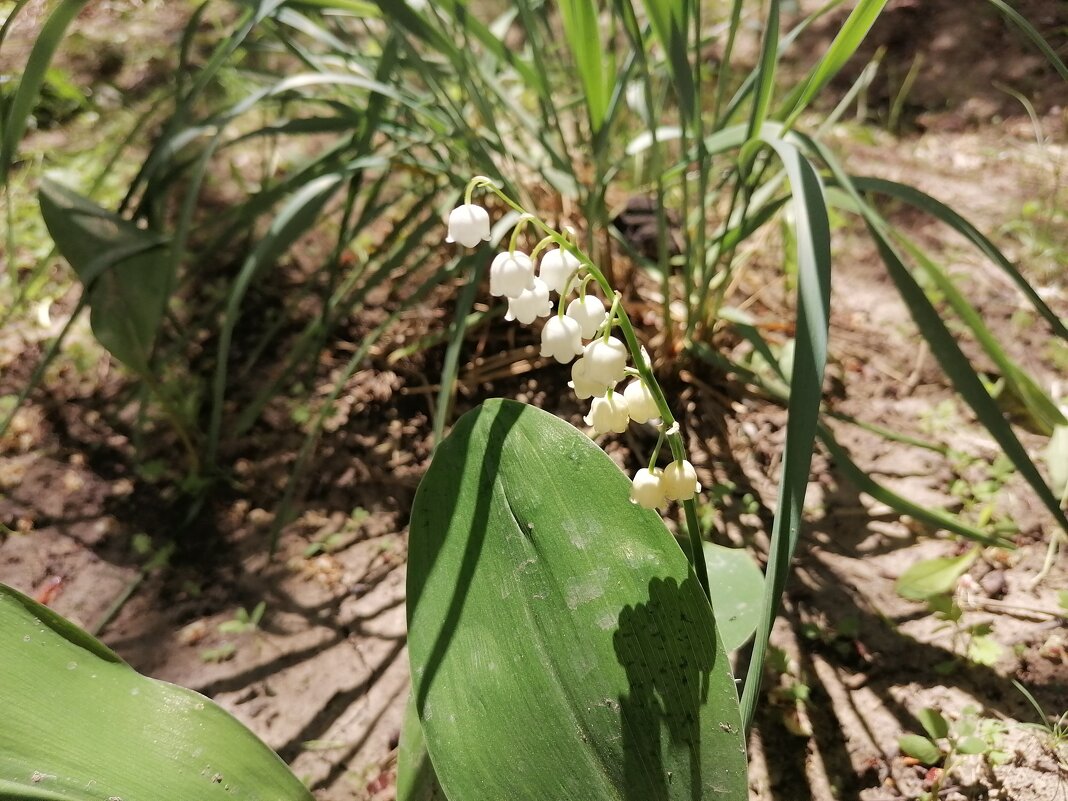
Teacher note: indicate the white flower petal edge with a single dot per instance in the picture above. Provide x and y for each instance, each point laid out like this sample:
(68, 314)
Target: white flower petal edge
(647, 490)
(606, 360)
(584, 386)
(468, 224)
(680, 481)
(511, 274)
(608, 414)
(640, 402)
(589, 313)
(531, 304)
(561, 339)
(556, 267)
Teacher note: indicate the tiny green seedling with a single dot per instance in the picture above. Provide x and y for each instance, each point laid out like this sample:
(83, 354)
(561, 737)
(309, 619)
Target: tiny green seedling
(947, 744)
(222, 653)
(243, 621)
(1056, 731)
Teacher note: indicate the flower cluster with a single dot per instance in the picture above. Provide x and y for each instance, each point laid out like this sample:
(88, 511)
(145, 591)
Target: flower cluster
(579, 332)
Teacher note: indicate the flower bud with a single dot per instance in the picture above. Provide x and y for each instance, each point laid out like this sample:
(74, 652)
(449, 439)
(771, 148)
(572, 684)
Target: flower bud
(640, 403)
(589, 313)
(606, 360)
(584, 386)
(561, 339)
(531, 304)
(647, 490)
(680, 481)
(608, 414)
(556, 267)
(468, 224)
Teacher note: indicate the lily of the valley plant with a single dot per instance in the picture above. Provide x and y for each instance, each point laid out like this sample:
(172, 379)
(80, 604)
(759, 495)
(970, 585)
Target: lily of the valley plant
(598, 341)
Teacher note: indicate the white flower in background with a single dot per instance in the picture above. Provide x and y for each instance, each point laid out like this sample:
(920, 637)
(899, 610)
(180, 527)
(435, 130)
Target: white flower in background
(561, 339)
(648, 490)
(556, 267)
(511, 274)
(531, 304)
(468, 224)
(680, 481)
(608, 414)
(640, 403)
(606, 361)
(589, 313)
(584, 386)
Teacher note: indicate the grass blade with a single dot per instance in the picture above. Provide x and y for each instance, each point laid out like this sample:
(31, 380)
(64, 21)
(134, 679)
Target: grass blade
(940, 211)
(33, 76)
(812, 230)
(932, 517)
(292, 221)
(845, 44)
(1020, 21)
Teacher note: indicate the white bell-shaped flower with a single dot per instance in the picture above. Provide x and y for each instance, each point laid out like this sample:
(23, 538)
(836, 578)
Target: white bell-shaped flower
(511, 274)
(606, 360)
(589, 313)
(640, 403)
(648, 489)
(556, 267)
(584, 386)
(680, 481)
(608, 414)
(561, 339)
(531, 304)
(468, 224)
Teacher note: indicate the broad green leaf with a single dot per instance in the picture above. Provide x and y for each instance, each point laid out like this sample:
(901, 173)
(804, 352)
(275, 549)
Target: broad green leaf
(125, 271)
(933, 723)
(985, 650)
(82, 725)
(931, 577)
(920, 748)
(736, 586)
(561, 646)
(416, 780)
(971, 745)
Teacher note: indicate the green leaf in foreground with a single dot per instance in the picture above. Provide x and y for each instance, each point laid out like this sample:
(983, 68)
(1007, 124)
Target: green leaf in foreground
(124, 269)
(736, 585)
(933, 723)
(79, 724)
(934, 576)
(561, 647)
(920, 748)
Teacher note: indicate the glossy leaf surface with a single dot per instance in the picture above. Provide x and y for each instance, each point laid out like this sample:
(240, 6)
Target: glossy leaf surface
(560, 644)
(79, 724)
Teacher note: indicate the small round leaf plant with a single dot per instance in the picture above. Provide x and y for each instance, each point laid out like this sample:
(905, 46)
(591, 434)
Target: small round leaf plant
(597, 342)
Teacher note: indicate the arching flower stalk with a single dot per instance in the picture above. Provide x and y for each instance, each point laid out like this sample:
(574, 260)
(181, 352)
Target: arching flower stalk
(599, 364)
